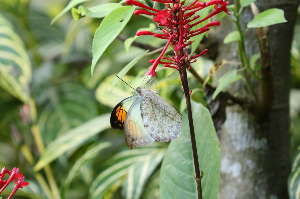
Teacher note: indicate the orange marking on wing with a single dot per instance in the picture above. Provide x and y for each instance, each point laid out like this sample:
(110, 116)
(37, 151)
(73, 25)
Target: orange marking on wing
(121, 114)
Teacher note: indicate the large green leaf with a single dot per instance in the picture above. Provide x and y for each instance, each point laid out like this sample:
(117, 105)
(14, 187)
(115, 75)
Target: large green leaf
(71, 4)
(267, 18)
(87, 157)
(225, 80)
(176, 178)
(15, 69)
(126, 69)
(98, 11)
(73, 139)
(197, 39)
(294, 178)
(136, 164)
(108, 30)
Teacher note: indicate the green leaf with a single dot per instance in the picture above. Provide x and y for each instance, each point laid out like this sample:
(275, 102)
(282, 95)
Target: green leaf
(176, 178)
(71, 4)
(136, 164)
(294, 178)
(15, 68)
(126, 69)
(108, 30)
(128, 42)
(87, 157)
(225, 80)
(69, 105)
(253, 59)
(267, 18)
(197, 39)
(73, 139)
(98, 11)
(245, 3)
(111, 99)
(231, 37)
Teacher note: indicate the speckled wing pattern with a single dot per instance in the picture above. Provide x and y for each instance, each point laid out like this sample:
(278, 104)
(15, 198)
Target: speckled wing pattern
(135, 132)
(161, 120)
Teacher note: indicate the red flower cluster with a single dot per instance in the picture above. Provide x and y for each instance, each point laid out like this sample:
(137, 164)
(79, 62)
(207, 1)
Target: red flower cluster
(15, 176)
(177, 21)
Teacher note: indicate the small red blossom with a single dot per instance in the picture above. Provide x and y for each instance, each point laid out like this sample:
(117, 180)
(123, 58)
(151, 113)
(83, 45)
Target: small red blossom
(162, 17)
(14, 176)
(178, 21)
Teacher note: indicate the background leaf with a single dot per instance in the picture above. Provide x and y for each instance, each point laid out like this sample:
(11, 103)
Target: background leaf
(73, 139)
(87, 157)
(225, 80)
(294, 178)
(267, 18)
(69, 105)
(126, 69)
(15, 69)
(245, 3)
(108, 30)
(231, 37)
(136, 164)
(176, 179)
(98, 11)
(71, 4)
(253, 59)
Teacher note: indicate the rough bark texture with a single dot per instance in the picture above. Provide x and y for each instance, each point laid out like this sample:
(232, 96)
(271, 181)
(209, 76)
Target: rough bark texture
(255, 153)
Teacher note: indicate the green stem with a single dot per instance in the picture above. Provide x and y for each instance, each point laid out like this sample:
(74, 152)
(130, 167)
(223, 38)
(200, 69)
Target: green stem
(242, 51)
(38, 176)
(40, 146)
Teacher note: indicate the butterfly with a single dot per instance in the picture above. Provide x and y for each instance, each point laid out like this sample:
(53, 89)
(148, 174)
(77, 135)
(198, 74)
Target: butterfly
(145, 117)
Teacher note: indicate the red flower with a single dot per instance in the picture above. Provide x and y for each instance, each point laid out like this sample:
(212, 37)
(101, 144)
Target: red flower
(19, 185)
(15, 176)
(177, 21)
(162, 17)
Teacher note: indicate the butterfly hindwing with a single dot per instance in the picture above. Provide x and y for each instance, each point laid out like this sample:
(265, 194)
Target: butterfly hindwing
(118, 115)
(160, 120)
(135, 132)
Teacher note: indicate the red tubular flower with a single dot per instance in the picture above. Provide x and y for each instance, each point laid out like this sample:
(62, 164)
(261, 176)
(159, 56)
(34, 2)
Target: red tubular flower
(162, 17)
(136, 3)
(144, 32)
(145, 12)
(19, 185)
(177, 21)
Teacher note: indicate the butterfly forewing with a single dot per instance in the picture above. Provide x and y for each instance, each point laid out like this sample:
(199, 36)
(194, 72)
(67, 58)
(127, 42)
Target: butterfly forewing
(135, 132)
(118, 115)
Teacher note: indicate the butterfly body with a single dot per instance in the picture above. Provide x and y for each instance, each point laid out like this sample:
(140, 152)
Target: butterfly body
(146, 117)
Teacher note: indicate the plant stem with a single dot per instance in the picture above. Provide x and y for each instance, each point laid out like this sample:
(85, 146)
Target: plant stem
(242, 51)
(38, 176)
(40, 145)
(185, 85)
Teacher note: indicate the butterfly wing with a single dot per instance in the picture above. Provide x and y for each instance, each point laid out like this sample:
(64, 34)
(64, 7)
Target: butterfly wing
(135, 132)
(118, 115)
(161, 125)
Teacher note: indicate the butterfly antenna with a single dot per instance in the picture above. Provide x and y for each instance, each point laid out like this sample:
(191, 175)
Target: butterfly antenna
(125, 82)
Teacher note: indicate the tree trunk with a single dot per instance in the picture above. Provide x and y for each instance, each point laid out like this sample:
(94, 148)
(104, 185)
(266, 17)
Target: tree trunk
(256, 152)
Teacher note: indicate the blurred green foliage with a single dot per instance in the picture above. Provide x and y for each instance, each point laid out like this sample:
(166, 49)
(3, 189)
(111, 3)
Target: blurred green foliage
(46, 87)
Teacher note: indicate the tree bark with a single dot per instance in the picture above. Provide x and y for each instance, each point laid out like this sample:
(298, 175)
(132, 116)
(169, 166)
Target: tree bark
(256, 152)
